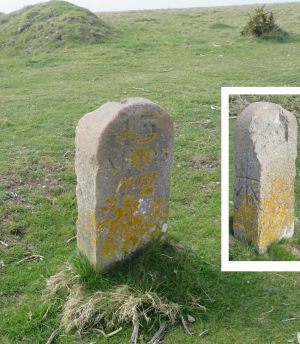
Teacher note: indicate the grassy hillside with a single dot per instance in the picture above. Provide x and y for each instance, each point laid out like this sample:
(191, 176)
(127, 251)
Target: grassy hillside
(179, 59)
(49, 25)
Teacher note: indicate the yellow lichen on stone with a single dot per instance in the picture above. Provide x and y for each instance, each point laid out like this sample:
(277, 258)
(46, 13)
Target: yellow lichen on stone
(127, 134)
(93, 239)
(263, 221)
(141, 156)
(124, 222)
(148, 139)
(123, 159)
(126, 227)
(131, 135)
(276, 211)
(93, 219)
(146, 178)
(245, 218)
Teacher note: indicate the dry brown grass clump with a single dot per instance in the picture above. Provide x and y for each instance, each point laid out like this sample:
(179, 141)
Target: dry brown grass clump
(61, 283)
(102, 311)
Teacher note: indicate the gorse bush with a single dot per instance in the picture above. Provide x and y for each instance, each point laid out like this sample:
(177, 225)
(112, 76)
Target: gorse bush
(262, 24)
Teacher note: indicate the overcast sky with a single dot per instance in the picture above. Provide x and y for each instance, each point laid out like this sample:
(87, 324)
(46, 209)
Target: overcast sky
(125, 5)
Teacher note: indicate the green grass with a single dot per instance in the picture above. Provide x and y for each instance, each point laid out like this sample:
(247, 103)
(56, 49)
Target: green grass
(174, 58)
(287, 249)
(166, 269)
(170, 269)
(49, 25)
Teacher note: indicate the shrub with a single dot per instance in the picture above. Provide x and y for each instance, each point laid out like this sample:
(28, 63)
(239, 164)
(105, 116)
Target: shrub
(262, 24)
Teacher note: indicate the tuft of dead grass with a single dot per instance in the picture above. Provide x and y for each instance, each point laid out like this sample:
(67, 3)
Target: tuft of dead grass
(61, 284)
(84, 311)
(153, 290)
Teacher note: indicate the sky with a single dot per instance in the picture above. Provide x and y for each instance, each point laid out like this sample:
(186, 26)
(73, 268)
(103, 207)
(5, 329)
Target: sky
(126, 5)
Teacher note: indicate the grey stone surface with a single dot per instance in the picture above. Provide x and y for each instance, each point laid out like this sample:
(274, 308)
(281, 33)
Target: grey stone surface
(123, 158)
(265, 149)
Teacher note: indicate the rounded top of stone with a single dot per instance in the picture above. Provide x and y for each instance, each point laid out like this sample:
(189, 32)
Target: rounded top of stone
(115, 107)
(262, 108)
(102, 122)
(110, 110)
(264, 111)
(134, 100)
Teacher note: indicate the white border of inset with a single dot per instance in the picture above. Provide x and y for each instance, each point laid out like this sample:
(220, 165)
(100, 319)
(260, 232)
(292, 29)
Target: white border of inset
(226, 264)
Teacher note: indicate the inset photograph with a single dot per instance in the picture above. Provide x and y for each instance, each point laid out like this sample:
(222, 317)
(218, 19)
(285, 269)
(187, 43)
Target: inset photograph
(264, 212)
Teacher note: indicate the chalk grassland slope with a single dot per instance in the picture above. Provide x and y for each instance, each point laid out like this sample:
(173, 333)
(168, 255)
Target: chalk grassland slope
(49, 25)
(179, 59)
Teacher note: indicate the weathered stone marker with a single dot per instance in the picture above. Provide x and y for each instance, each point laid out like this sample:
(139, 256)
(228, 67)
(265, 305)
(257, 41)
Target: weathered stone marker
(265, 149)
(123, 158)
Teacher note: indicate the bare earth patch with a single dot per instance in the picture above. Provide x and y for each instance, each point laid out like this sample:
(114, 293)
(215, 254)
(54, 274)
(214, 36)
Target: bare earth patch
(203, 164)
(296, 251)
(11, 184)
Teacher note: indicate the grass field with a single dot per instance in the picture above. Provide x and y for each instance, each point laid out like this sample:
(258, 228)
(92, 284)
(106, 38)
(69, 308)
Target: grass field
(179, 59)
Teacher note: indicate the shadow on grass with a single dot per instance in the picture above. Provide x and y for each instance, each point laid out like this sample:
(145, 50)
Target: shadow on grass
(279, 251)
(175, 273)
(164, 267)
(289, 37)
(168, 272)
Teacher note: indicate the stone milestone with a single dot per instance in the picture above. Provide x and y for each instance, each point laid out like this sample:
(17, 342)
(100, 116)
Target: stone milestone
(123, 159)
(265, 149)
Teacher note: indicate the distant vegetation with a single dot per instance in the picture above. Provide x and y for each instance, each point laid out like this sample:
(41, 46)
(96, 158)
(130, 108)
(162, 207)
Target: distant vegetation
(262, 24)
(50, 24)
